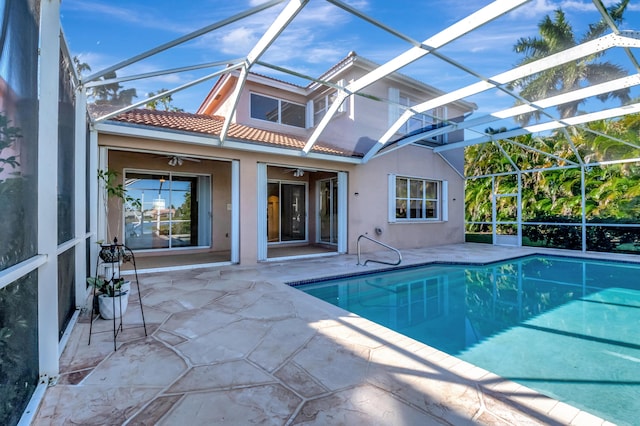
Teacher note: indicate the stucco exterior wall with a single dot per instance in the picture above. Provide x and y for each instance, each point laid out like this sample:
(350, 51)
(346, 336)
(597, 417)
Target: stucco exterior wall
(219, 171)
(248, 176)
(366, 210)
(369, 208)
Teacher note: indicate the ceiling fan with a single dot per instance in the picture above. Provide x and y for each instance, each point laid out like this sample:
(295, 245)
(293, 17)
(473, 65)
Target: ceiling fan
(177, 160)
(299, 172)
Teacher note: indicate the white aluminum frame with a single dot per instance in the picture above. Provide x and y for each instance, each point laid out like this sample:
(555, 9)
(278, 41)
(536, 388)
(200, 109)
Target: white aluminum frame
(457, 30)
(48, 77)
(235, 211)
(617, 39)
(625, 39)
(519, 222)
(52, 42)
(279, 24)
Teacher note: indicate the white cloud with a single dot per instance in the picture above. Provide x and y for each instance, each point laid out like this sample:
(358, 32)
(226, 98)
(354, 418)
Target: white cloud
(633, 6)
(309, 38)
(324, 54)
(545, 7)
(144, 17)
(301, 46)
(239, 41)
(533, 9)
(575, 5)
(359, 4)
(321, 15)
(254, 3)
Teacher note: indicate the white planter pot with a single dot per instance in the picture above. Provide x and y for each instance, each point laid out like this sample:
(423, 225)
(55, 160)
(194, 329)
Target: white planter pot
(113, 307)
(126, 287)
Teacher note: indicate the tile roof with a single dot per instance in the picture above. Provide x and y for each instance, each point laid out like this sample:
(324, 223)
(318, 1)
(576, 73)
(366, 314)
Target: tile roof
(212, 125)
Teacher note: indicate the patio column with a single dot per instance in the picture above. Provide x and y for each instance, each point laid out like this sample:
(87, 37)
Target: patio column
(343, 218)
(247, 211)
(235, 211)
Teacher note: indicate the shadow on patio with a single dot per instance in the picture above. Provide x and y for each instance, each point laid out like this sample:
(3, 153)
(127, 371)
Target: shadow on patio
(236, 345)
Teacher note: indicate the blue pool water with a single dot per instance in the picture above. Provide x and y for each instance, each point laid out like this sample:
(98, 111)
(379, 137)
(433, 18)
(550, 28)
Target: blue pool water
(568, 328)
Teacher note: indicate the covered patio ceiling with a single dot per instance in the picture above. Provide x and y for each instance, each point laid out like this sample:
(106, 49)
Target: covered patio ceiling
(489, 84)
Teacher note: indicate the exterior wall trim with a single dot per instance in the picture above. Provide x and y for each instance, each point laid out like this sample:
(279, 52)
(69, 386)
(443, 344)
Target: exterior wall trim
(164, 135)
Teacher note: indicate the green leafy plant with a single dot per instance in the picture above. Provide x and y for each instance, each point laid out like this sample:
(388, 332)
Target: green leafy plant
(110, 288)
(8, 137)
(113, 188)
(164, 101)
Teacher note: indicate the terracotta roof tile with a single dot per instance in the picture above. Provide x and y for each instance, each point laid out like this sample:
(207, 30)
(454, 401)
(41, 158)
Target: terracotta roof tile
(212, 125)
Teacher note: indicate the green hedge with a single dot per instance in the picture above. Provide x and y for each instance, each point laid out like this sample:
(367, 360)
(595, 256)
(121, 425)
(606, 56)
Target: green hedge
(478, 238)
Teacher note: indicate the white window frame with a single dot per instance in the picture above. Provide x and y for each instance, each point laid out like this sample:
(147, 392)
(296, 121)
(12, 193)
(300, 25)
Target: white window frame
(441, 209)
(280, 101)
(403, 99)
(323, 110)
(328, 98)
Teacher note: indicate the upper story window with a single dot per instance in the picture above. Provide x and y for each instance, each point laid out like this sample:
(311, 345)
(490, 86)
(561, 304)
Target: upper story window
(429, 120)
(421, 121)
(277, 110)
(322, 104)
(416, 199)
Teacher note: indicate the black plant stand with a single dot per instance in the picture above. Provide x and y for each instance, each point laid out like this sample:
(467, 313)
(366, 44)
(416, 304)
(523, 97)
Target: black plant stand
(114, 254)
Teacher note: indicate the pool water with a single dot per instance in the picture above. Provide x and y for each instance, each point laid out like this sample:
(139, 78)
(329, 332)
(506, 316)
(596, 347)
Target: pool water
(566, 327)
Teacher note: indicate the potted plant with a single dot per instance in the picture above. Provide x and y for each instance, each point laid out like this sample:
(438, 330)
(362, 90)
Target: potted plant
(113, 296)
(112, 290)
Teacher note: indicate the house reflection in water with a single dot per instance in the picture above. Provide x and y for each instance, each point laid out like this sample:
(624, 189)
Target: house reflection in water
(453, 307)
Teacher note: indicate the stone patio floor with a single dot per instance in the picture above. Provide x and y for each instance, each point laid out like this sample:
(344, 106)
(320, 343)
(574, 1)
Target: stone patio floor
(236, 345)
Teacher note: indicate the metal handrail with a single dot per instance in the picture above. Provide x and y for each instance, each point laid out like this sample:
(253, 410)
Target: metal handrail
(383, 245)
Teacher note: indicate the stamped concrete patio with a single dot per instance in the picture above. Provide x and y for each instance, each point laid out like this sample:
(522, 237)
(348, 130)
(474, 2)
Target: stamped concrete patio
(235, 345)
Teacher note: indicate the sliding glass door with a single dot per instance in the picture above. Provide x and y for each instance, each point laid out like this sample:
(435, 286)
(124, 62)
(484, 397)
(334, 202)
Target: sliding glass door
(286, 212)
(171, 214)
(328, 211)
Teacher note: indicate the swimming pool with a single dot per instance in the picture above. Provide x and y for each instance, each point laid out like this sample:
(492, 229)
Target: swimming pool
(566, 327)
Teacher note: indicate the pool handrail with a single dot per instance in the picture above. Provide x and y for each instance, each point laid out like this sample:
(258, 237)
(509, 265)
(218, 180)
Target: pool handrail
(383, 245)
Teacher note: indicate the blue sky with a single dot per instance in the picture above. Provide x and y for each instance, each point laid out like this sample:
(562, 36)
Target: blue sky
(102, 33)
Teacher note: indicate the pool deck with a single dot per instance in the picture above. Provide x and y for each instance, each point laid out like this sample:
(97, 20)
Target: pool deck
(235, 345)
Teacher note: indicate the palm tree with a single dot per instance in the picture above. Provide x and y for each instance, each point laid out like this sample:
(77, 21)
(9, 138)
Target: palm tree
(81, 67)
(165, 101)
(557, 35)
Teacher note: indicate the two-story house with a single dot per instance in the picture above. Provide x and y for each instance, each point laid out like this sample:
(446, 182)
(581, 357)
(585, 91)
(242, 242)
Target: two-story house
(247, 191)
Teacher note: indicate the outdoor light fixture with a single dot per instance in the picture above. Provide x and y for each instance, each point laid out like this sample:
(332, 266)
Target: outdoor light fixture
(298, 173)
